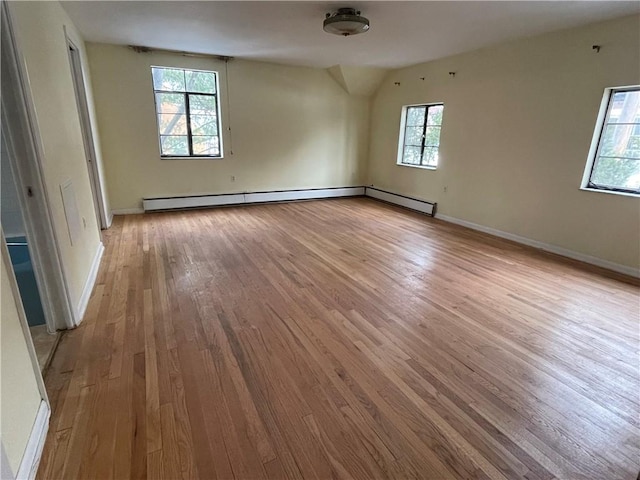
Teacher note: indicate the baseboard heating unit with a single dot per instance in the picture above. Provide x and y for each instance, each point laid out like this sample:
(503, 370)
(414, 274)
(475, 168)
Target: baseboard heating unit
(411, 203)
(200, 201)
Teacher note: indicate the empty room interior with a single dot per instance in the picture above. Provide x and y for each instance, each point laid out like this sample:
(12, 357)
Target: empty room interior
(320, 240)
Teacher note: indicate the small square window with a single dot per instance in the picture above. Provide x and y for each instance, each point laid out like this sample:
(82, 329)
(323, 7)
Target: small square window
(420, 135)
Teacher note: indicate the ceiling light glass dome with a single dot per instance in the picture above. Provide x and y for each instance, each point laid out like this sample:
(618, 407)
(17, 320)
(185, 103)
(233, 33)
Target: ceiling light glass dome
(345, 22)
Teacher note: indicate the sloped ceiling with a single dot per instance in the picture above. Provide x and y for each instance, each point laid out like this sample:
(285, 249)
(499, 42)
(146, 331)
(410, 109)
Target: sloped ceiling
(358, 80)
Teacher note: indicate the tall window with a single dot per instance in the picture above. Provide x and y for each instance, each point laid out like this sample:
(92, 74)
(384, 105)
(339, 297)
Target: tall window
(420, 135)
(188, 112)
(615, 159)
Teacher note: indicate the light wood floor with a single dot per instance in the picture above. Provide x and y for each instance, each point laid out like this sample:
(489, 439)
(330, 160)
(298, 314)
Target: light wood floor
(343, 339)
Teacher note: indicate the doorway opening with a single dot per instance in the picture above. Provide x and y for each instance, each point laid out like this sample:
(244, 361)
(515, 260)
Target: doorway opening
(45, 339)
(26, 217)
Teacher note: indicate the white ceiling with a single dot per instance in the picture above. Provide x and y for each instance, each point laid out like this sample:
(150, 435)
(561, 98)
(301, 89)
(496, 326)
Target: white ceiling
(402, 33)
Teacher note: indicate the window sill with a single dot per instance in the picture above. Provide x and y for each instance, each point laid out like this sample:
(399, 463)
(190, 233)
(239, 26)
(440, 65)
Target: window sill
(192, 158)
(423, 167)
(613, 192)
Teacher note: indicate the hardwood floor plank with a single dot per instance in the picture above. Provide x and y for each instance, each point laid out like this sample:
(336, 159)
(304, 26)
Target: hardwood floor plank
(343, 339)
(184, 435)
(209, 450)
(138, 411)
(78, 440)
(171, 463)
(152, 400)
(54, 455)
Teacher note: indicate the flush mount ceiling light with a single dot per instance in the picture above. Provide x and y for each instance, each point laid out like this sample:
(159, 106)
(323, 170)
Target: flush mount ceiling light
(345, 22)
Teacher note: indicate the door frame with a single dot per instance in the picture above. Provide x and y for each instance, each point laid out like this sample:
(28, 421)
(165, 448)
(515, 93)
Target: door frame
(37, 437)
(79, 87)
(22, 137)
(23, 319)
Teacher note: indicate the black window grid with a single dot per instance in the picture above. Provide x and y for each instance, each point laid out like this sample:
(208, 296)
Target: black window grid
(424, 125)
(597, 157)
(186, 95)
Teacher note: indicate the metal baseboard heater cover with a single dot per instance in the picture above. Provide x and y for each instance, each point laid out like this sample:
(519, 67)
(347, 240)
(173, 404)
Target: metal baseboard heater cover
(411, 203)
(200, 201)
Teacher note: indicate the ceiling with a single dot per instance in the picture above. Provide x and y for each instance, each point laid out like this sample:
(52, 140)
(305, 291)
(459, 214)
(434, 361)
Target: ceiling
(402, 33)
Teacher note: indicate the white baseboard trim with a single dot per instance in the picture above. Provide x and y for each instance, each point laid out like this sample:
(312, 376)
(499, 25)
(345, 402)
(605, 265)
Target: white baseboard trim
(88, 286)
(109, 219)
(411, 203)
(127, 211)
(547, 247)
(172, 203)
(31, 458)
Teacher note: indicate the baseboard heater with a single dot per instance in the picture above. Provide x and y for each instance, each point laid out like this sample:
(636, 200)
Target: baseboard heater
(200, 201)
(411, 203)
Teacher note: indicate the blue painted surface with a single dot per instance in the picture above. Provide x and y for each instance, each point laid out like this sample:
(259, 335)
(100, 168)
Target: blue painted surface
(23, 269)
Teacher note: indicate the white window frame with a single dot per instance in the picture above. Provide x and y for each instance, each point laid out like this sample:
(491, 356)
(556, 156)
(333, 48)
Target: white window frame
(403, 125)
(218, 111)
(603, 113)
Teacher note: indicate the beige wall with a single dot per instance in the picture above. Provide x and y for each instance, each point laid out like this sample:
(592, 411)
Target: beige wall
(40, 35)
(20, 398)
(292, 127)
(517, 127)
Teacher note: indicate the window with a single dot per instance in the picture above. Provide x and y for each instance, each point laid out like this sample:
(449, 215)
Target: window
(188, 112)
(614, 161)
(420, 135)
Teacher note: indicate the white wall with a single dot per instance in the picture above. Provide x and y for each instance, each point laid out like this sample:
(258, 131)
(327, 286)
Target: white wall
(20, 398)
(517, 127)
(40, 35)
(292, 127)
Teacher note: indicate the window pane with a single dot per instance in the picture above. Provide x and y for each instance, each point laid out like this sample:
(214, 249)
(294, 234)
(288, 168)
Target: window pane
(168, 79)
(413, 136)
(204, 125)
(434, 117)
(617, 173)
(625, 107)
(202, 104)
(206, 145)
(430, 156)
(201, 82)
(619, 141)
(415, 116)
(411, 155)
(174, 145)
(432, 136)
(172, 124)
(170, 103)
(422, 135)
